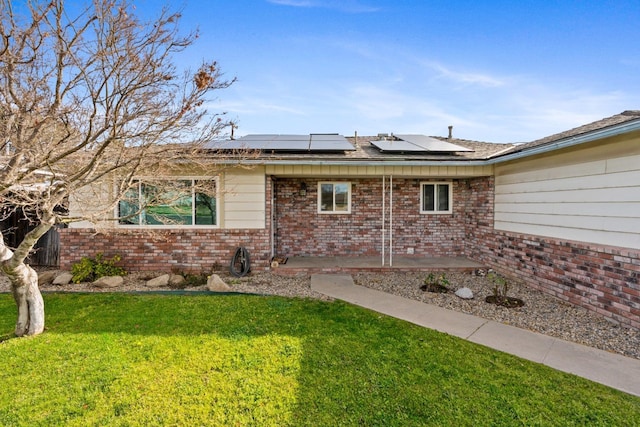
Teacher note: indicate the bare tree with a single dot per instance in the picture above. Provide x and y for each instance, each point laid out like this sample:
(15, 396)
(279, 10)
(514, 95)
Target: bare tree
(89, 96)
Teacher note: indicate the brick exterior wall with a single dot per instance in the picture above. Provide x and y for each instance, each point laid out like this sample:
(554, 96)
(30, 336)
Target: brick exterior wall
(600, 278)
(194, 251)
(302, 231)
(180, 250)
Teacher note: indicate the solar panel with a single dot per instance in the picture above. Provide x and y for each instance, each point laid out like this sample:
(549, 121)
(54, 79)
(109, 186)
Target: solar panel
(330, 142)
(249, 142)
(417, 144)
(396, 145)
(284, 143)
(432, 144)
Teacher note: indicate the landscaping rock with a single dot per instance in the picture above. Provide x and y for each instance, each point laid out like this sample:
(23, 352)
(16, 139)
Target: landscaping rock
(159, 282)
(176, 280)
(464, 293)
(216, 284)
(63, 279)
(109, 282)
(46, 277)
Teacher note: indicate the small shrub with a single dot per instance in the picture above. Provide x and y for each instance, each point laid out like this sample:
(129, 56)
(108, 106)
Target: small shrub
(90, 269)
(500, 290)
(194, 280)
(433, 284)
(500, 285)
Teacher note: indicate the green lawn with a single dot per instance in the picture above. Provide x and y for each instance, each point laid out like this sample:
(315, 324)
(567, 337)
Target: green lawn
(129, 360)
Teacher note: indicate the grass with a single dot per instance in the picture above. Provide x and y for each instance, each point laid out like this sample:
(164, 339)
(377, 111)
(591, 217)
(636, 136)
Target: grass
(129, 360)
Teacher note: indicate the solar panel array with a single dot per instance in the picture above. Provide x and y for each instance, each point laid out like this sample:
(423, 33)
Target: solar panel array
(315, 142)
(417, 144)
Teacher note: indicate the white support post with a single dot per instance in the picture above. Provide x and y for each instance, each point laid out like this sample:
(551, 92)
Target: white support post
(390, 220)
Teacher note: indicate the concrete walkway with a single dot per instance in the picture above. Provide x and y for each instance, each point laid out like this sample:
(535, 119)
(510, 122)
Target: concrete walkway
(613, 370)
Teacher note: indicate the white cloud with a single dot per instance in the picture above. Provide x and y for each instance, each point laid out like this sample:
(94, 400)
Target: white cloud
(350, 6)
(258, 106)
(464, 78)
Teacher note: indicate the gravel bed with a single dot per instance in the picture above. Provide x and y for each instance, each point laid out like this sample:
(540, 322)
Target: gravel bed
(541, 313)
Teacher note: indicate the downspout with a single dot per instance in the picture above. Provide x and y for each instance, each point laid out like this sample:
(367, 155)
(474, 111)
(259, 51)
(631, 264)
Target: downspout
(383, 217)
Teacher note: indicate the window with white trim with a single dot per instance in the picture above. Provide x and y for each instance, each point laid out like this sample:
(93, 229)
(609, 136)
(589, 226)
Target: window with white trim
(180, 203)
(334, 197)
(436, 197)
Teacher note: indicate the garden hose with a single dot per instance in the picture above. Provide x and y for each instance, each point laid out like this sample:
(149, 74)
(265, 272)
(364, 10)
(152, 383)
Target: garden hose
(240, 263)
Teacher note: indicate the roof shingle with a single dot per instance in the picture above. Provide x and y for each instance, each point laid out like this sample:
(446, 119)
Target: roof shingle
(625, 116)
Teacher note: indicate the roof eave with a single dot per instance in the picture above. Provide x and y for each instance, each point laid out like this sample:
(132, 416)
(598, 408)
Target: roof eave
(595, 135)
(309, 162)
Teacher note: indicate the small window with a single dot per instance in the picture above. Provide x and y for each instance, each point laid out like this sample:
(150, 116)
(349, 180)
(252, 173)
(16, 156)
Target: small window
(186, 202)
(334, 197)
(435, 197)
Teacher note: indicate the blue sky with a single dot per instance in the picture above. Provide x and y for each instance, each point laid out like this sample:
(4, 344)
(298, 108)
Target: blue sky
(498, 71)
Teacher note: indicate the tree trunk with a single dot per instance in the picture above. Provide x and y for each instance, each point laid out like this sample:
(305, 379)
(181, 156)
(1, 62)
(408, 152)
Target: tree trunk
(24, 285)
(24, 282)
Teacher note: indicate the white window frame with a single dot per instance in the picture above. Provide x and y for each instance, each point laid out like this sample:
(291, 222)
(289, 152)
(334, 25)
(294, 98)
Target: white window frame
(193, 201)
(334, 212)
(435, 184)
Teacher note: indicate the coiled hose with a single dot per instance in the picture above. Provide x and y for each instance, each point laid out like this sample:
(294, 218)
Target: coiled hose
(240, 263)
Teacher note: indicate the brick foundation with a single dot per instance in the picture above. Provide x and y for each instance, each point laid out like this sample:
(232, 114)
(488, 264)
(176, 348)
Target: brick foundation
(195, 251)
(600, 278)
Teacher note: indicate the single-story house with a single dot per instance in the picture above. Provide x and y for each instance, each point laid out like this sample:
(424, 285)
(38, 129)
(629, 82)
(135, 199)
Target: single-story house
(561, 213)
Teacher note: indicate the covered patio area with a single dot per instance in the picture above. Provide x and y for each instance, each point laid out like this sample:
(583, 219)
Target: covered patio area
(345, 264)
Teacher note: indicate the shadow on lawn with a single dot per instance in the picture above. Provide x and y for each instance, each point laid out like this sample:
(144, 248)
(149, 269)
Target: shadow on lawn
(344, 350)
(356, 366)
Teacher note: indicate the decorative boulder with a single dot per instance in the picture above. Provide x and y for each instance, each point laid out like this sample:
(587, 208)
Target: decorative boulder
(46, 277)
(176, 280)
(216, 284)
(158, 282)
(109, 282)
(464, 293)
(63, 279)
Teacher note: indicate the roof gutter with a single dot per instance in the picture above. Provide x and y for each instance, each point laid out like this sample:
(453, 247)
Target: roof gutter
(360, 162)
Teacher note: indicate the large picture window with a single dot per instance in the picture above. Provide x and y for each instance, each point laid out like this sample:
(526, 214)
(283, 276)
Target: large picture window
(185, 202)
(435, 197)
(334, 197)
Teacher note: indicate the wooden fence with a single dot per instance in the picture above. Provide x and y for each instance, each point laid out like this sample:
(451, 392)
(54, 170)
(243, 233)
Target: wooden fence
(45, 254)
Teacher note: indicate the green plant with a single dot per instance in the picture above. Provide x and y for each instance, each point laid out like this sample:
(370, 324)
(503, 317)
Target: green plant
(500, 285)
(443, 281)
(436, 284)
(500, 291)
(90, 269)
(194, 280)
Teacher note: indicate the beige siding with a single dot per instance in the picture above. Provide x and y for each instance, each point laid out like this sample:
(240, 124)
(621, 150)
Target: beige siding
(590, 194)
(243, 199)
(94, 203)
(242, 202)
